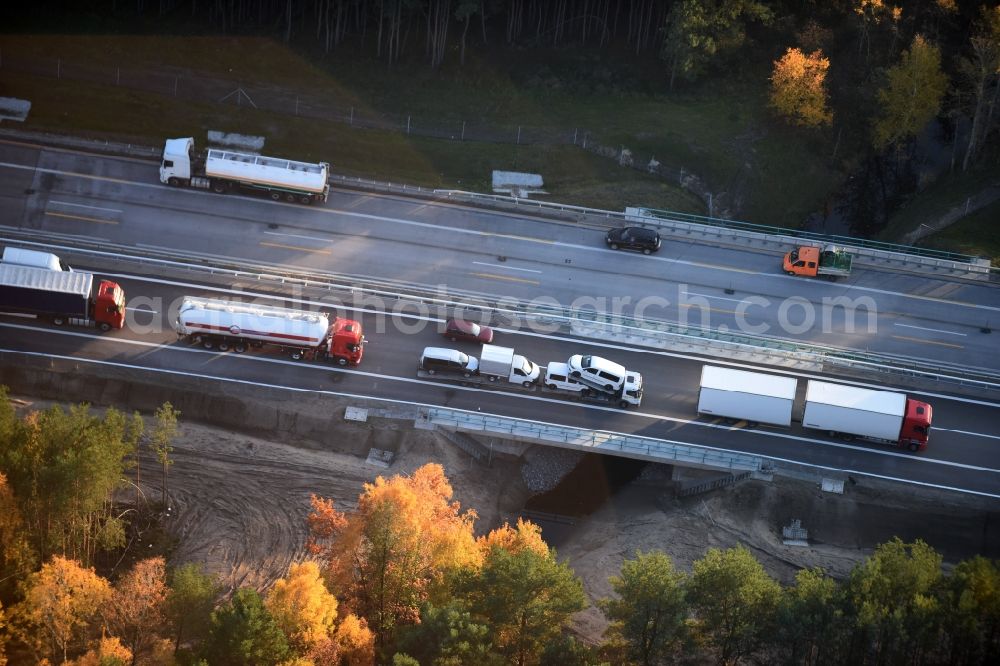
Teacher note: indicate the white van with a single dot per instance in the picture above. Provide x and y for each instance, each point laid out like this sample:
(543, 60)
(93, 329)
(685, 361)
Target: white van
(33, 258)
(557, 377)
(436, 359)
(597, 372)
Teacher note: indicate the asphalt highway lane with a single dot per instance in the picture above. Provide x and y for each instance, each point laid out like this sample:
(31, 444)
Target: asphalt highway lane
(961, 453)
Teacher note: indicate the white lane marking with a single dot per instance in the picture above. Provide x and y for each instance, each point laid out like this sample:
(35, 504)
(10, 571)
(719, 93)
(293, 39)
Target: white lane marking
(304, 236)
(966, 432)
(419, 404)
(70, 203)
(509, 268)
(932, 330)
(718, 298)
(542, 398)
(603, 344)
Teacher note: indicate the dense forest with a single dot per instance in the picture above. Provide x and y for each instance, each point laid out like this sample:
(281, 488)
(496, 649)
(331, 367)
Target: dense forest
(404, 579)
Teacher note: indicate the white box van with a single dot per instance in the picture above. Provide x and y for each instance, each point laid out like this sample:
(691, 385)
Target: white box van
(436, 359)
(33, 258)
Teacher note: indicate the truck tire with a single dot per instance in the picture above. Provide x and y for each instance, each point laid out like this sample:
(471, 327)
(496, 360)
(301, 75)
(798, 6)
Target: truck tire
(305, 199)
(296, 355)
(466, 374)
(646, 250)
(614, 246)
(219, 187)
(173, 182)
(526, 384)
(551, 387)
(207, 343)
(623, 404)
(790, 272)
(275, 196)
(239, 347)
(290, 198)
(341, 361)
(575, 373)
(609, 387)
(913, 447)
(59, 321)
(104, 326)
(223, 345)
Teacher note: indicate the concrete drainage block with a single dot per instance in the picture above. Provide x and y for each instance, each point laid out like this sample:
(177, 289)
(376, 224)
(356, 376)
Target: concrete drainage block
(795, 534)
(379, 458)
(356, 414)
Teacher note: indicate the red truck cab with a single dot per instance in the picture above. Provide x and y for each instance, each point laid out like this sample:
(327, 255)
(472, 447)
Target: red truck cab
(916, 425)
(109, 306)
(346, 341)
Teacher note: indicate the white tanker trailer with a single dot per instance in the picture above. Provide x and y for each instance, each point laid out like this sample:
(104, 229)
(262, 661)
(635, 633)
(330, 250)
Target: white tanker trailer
(223, 170)
(228, 325)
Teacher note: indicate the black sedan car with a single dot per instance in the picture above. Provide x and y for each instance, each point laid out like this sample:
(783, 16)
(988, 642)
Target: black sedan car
(459, 329)
(633, 238)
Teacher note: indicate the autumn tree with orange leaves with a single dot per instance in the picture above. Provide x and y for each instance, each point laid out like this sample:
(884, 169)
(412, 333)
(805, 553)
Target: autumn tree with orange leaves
(136, 610)
(3, 637)
(108, 650)
(520, 591)
(524, 536)
(303, 607)
(61, 602)
(798, 88)
(393, 552)
(307, 614)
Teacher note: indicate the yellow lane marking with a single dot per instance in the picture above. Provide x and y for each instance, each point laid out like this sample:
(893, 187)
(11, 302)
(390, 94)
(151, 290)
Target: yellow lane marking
(82, 217)
(928, 342)
(524, 238)
(294, 247)
(508, 278)
(709, 308)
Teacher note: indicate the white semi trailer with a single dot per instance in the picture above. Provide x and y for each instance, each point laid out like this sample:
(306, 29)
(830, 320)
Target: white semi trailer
(743, 395)
(845, 411)
(223, 170)
(881, 416)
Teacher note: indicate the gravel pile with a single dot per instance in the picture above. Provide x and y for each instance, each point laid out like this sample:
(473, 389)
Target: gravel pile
(545, 466)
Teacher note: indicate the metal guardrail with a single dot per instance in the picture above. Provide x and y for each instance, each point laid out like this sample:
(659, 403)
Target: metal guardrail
(663, 332)
(633, 446)
(809, 235)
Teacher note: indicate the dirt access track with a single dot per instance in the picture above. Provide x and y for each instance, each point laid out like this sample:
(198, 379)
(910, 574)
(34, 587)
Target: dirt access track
(246, 461)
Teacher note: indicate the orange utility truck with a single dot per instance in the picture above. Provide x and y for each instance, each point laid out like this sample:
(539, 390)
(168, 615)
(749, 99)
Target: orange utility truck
(829, 262)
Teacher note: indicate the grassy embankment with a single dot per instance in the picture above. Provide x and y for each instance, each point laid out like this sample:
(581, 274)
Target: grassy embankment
(975, 234)
(722, 134)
